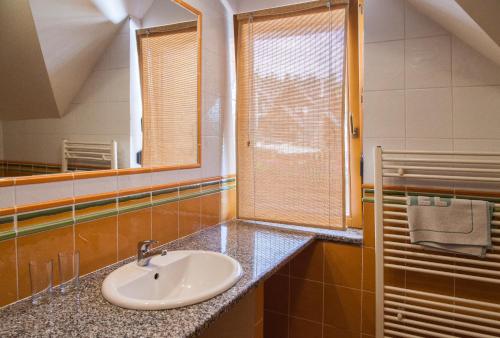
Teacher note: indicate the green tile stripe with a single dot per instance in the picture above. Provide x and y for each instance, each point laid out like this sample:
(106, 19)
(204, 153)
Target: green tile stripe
(43, 227)
(97, 214)
(83, 206)
(106, 213)
(164, 191)
(133, 197)
(46, 212)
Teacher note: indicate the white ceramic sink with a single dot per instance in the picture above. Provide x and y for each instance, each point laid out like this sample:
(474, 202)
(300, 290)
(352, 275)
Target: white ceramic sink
(177, 279)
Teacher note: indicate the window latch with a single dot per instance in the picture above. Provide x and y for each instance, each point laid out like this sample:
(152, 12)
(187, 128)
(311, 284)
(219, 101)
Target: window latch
(354, 131)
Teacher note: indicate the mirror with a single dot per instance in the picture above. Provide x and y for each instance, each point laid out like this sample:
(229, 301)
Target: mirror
(99, 84)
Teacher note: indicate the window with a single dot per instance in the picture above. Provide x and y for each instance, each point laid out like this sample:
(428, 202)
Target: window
(293, 141)
(170, 94)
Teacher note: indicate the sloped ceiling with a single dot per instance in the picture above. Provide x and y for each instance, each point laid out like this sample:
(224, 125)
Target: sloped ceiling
(485, 13)
(25, 90)
(450, 15)
(73, 34)
(49, 48)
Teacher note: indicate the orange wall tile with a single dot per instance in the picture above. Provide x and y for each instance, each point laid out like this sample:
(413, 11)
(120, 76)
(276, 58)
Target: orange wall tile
(96, 241)
(165, 222)
(343, 308)
(228, 205)
(104, 241)
(306, 299)
(133, 227)
(41, 247)
(343, 264)
(309, 263)
(210, 210)
(8, 287)
(189, 216)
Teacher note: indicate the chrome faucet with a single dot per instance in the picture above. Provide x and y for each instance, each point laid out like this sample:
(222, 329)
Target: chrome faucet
(144, 255)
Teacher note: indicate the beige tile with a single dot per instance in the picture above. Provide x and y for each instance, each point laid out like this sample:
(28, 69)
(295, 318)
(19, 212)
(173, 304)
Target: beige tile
(306, 299)
(419, 25)
(384, 113)
(343, 264)
(471, 68)
(384, 65)
(96, 241)
(384, 20)
(8, 283)
(429, 113)
(485, 122)
(428, 62)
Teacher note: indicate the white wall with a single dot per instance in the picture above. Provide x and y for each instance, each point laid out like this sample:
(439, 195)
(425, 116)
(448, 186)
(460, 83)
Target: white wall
(424, 88)
(99, 112)
(165, 12)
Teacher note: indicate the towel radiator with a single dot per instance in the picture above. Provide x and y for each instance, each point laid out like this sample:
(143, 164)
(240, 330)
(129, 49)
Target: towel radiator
(103, 154)
(401, 309)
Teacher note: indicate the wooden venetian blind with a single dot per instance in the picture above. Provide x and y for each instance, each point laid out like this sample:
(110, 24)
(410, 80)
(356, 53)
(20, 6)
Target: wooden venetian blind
(169, 77)
(290, 70)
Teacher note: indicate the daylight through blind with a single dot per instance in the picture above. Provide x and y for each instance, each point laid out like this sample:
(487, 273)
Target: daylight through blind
(291, 80)
(169, 70)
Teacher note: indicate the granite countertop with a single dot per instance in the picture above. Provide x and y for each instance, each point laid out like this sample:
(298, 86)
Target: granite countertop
(261, 249)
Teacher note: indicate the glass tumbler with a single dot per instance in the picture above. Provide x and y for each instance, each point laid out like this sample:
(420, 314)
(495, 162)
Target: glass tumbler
(69, 270)
(41, 278)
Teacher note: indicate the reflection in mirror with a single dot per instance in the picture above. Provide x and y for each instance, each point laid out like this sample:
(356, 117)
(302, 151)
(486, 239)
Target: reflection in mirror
(71, 97)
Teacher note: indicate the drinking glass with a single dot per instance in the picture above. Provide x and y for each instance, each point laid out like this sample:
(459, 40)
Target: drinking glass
(69, 270)
(41, 278)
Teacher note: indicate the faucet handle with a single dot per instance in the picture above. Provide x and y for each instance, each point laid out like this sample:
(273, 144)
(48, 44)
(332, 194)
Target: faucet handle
(143, 246)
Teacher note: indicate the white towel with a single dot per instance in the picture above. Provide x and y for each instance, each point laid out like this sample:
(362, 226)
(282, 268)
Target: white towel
(455, 225)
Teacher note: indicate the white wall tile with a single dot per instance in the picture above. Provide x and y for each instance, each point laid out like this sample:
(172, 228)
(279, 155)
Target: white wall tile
(7, 199)
(429, 113)
(432, 144)
(470, 68)
(369, 144)
(384, 20)
(485, 145)
(428, 62)
(211, 156)
(212, 114)
(384, 65)
(36, 193)
(476, 112)
(134, 181)
(384, 113)
(97, 185)
(418, 25)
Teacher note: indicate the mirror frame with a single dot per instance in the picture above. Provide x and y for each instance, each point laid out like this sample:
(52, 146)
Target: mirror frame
(35, 179)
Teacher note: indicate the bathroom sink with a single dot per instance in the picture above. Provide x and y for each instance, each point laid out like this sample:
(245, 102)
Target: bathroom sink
(177, 279)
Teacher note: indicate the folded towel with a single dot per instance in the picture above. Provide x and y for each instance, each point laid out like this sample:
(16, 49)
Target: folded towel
(455, 225)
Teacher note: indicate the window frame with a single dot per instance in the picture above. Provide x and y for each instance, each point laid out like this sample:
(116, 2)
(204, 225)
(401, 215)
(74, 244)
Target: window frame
(166, 29)
(354, 87)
